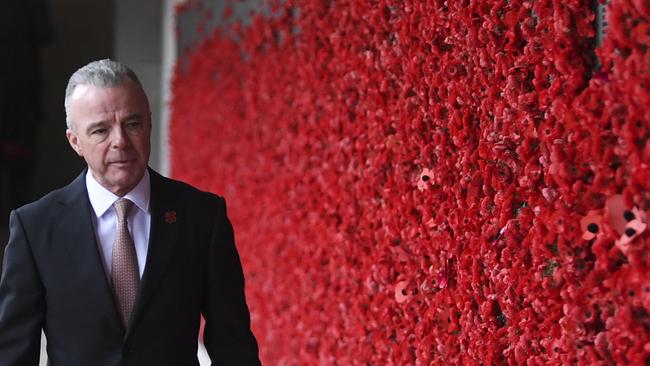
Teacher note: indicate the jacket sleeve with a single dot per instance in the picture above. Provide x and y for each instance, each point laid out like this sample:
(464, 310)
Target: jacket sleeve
(22, 304)
(228, 337)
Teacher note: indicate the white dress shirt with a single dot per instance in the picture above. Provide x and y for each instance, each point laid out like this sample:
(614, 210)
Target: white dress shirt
(105, 219)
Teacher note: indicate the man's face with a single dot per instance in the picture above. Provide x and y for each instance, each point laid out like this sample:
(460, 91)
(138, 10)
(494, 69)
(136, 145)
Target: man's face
(112, 130)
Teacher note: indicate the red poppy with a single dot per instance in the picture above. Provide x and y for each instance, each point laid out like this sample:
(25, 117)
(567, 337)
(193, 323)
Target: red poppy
(424, 179)
(170, 217)
(400, 292)
(637, 224)
(591, 225)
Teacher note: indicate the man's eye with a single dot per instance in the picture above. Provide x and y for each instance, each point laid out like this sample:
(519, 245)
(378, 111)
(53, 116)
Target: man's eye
(133, 125)
(99, 131)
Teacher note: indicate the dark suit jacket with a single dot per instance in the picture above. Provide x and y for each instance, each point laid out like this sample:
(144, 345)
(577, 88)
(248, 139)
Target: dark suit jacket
(53, 278)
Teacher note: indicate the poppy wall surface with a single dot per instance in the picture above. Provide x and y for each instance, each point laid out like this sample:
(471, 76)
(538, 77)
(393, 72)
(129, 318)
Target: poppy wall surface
(430, 182)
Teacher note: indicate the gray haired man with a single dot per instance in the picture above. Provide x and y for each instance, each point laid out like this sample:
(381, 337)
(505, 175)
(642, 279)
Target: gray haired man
(118, 267)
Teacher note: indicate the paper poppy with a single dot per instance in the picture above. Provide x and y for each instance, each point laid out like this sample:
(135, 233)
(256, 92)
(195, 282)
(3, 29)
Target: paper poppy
(400, 292)
(637, 222)
(170, 217)
(591, 224)
(424, 179)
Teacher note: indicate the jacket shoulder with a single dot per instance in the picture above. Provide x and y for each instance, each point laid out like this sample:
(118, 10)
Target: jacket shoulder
(190, 194)
(46, 204)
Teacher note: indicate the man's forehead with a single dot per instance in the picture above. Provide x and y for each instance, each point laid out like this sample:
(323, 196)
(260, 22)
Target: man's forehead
(80, 90)
(92, 104)
(129, 91)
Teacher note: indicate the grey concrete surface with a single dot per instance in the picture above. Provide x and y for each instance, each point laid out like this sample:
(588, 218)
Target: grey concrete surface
(204, 360)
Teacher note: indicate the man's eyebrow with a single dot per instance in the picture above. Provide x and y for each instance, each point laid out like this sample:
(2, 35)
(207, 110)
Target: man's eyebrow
(132, 117)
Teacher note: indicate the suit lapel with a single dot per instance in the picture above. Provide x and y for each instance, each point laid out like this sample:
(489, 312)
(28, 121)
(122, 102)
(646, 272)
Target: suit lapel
(81, 244)
(163, 235)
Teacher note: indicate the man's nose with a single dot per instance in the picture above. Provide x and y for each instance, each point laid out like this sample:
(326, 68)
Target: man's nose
(119, 138)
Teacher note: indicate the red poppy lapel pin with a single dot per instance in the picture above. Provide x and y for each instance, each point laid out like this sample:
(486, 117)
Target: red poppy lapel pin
(170, 217)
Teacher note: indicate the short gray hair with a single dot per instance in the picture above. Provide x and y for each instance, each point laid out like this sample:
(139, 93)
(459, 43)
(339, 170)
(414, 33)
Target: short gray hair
(103, 73)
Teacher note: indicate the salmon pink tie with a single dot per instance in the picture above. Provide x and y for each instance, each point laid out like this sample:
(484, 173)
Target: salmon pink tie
(124, 274)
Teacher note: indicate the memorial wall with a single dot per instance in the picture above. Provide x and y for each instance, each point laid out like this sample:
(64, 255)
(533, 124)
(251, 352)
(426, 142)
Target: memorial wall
(428, 182)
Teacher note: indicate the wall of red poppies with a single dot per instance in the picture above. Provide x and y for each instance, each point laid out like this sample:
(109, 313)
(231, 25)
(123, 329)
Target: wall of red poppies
(430, 182)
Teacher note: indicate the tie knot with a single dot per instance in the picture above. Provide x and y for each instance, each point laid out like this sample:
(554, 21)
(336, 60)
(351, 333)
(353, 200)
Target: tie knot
(122, 207)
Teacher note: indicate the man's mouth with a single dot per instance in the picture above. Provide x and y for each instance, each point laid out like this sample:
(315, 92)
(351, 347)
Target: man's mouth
(122, 162)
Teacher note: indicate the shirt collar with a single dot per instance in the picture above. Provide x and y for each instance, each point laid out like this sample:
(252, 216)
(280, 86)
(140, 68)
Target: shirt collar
(101, 199)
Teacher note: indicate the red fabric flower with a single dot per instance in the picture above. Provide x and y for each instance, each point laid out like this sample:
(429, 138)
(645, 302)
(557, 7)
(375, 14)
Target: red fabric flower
(400, 292)
(591, 225)
(424, 179)
(637, 222)
(170, 217)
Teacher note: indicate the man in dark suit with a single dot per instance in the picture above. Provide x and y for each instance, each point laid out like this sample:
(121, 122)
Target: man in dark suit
(117, 267)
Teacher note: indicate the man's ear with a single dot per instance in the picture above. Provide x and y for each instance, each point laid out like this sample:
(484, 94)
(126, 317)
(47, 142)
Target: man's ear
(74, 141)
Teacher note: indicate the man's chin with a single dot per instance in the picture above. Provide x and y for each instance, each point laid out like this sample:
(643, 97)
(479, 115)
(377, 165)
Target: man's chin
(124, 180)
